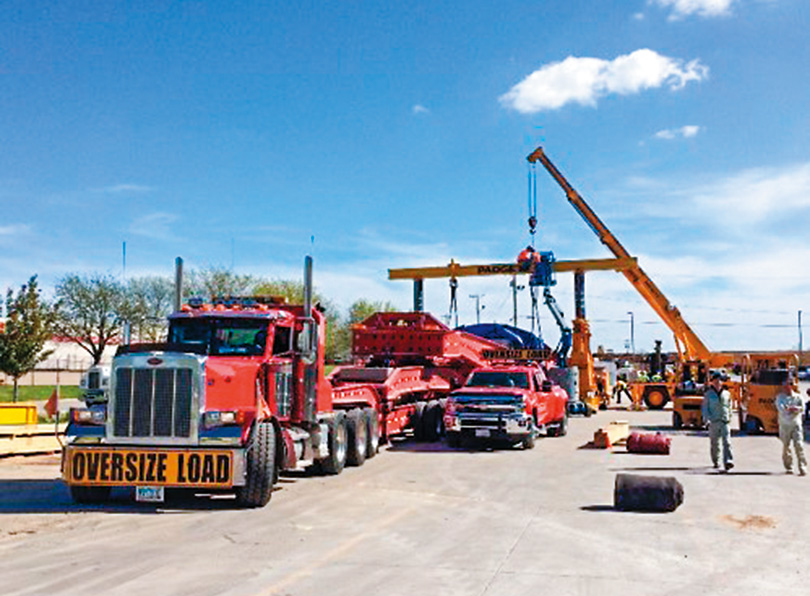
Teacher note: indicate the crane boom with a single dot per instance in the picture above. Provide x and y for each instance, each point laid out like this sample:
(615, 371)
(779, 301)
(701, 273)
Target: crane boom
(689, 345)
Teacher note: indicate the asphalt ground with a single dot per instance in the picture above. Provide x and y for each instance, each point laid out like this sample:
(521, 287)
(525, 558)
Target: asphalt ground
(426, 519)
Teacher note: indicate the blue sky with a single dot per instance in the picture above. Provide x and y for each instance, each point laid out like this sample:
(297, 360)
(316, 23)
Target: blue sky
(395, 134)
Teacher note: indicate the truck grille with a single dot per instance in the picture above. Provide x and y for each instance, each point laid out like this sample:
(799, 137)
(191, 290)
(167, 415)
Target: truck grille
(153, 402)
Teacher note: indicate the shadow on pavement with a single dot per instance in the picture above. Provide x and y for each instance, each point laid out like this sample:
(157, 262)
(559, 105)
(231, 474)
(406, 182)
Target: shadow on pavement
(52, 496)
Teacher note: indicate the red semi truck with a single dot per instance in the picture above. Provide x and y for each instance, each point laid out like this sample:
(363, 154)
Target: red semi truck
(506, 402)
(238, 394)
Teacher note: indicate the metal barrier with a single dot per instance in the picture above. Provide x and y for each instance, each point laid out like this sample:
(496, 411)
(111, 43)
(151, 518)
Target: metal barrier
(18, 413)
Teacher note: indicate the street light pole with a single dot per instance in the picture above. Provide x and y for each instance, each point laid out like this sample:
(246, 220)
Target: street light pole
(478, 307)
(632, 333)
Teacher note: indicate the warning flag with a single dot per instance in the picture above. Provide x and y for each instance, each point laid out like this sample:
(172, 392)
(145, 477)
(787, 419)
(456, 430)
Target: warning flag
(52, 405)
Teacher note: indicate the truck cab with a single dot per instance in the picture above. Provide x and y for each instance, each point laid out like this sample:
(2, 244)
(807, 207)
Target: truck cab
(506, 403)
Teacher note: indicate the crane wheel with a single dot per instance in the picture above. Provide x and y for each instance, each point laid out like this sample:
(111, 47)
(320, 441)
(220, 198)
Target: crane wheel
(656, 398)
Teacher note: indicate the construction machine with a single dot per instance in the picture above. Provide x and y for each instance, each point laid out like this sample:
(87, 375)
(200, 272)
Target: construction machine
(695, 360)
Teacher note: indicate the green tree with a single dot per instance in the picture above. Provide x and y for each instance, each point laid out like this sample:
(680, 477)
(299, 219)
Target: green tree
(149, 300)
(29, 324)
(91, 311)
(217, 281)
(359, 311)
(293, 292)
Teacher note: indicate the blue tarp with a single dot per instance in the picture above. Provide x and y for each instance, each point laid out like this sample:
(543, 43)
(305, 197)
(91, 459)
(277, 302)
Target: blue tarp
(512, 337)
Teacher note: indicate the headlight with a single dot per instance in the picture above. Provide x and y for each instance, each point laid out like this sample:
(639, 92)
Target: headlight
(223, 418)
(97, 416)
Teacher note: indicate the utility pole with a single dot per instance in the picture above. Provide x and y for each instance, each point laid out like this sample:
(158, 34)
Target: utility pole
(632, 333)
(478, 306)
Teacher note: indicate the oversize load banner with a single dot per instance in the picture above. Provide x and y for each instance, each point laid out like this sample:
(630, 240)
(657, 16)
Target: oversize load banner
(127, 467)
(522, 354)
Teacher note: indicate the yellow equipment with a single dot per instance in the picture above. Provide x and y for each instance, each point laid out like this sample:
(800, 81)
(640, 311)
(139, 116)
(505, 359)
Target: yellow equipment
(694, 358)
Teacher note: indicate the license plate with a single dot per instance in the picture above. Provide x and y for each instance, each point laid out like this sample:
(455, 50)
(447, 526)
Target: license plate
(150, 494)
(199, 468)
(481, 432)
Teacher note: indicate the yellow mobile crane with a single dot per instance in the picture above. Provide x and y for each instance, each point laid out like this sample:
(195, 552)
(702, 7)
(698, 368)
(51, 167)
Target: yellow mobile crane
(753, 395)
(694, 358)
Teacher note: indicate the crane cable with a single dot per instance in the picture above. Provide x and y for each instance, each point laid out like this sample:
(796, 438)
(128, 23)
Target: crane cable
(532, 202)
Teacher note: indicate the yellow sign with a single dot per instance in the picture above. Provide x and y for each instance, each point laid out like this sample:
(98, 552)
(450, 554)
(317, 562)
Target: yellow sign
(128, 467)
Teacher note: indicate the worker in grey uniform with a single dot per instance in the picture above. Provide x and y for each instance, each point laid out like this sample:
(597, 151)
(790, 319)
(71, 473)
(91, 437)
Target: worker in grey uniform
(790, 406)
(717, 412)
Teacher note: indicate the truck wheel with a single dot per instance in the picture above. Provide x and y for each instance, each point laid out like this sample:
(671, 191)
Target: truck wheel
(90, 494)
(453, 439)
(357, 426)
(418, 421)
(261, 467)
(433, 421)
(677, 420)
(373, 445)
(338, 445)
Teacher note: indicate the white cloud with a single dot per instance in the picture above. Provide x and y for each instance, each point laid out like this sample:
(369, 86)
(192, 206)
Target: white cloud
(757, 194)
(157, 226)
(14, 229)
(685, 132)
(119, 188)
(701, 8)
(585, 80)
(420, 109)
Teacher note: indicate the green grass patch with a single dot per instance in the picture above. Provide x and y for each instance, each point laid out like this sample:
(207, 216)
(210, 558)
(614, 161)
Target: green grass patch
(37, 392)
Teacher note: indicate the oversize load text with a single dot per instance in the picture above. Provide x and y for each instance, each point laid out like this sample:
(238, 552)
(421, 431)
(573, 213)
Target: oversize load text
(171, 468)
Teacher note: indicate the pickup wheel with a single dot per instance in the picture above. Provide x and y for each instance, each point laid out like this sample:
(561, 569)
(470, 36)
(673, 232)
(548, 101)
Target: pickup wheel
(338, 445)
(90, 494)
(418, 421)
(261, 467)
(562, 426)
(433, 421)
(357, 427)
(373, 445)
(528, 440)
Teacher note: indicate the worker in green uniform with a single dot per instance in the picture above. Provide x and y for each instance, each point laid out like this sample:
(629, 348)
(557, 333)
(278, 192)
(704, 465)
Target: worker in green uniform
(717, 412)
(790, 406)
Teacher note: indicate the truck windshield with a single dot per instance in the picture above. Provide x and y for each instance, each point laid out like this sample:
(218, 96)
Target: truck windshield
(498, 378)
(221, 337)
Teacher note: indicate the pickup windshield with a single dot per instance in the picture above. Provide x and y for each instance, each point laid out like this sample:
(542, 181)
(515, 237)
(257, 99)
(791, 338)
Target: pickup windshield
(221, 337)
(499, 378)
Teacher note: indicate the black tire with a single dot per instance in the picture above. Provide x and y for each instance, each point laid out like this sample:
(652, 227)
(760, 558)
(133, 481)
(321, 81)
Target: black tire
(338, 445)
(562, 429)
(357, 427)
(677, 420)
(453, 439)
(655, 398)
(373, 445)
(88, 495)
(433, 428)
(261, 470)
(418, 421)
(529, 440)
